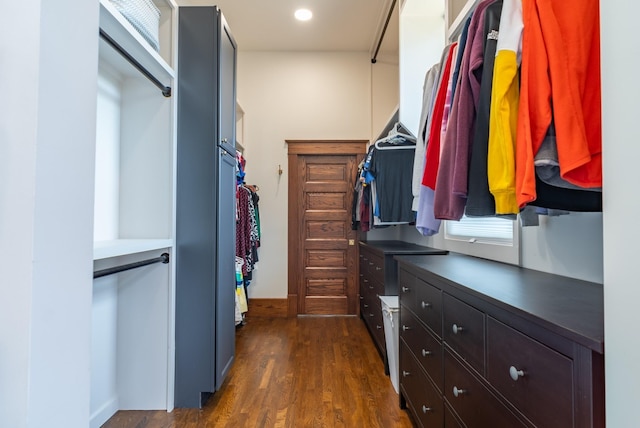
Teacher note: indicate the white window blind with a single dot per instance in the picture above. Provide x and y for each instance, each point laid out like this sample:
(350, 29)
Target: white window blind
(491, 230)
(487, 237)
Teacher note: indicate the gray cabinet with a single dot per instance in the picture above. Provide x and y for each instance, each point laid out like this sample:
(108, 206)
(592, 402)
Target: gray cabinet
(205, 205)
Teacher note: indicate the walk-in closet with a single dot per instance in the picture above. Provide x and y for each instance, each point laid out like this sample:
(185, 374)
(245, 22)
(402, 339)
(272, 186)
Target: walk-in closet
(185, 185)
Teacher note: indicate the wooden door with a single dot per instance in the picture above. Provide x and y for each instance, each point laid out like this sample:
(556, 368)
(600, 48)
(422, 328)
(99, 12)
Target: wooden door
(323, 248)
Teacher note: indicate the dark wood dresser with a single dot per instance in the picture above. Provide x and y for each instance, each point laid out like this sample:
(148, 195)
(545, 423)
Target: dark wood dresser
(379, 277)
(486, 344)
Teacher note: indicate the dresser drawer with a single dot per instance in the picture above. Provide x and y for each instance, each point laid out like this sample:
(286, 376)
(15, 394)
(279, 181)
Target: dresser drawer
(428, 305)
(422, 398)
(530, 375)
(425, 347)
(375, 265)
(373, 317)
(450, 421)
(472, 401)
(371, 287)
(407, 289)
(463, 330)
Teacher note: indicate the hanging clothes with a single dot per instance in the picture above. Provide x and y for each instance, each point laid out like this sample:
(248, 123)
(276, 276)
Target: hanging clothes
(504, 110)
(560, 65)
(480, 201)
(525, 67)
(392, 169)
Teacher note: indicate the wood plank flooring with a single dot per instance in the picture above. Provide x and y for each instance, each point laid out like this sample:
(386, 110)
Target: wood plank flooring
(293, 372)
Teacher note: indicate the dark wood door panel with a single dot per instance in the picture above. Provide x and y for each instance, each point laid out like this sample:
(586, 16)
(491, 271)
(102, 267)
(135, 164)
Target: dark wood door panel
(323, 264)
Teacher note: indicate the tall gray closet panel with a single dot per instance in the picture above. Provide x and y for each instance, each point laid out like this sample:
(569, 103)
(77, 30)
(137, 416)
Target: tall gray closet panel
(205, 212)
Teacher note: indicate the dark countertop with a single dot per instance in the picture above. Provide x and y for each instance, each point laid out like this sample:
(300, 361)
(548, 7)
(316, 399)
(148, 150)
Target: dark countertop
(566, 306)
(401, 247)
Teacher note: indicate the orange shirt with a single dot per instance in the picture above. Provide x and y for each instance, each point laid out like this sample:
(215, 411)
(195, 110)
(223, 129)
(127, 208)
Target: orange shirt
(560, 78)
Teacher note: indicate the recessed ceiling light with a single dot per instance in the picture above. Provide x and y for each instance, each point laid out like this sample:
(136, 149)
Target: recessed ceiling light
(303, 14)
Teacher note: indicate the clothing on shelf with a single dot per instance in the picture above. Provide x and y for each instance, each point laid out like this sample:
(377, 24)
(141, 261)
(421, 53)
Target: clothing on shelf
(513, 119)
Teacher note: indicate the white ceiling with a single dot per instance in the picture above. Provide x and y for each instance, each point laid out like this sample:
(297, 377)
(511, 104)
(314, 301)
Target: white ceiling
(337, 25)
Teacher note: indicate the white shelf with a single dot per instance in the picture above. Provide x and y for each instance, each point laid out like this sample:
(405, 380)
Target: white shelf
(455, 28)
(123, 247)
(122, 32)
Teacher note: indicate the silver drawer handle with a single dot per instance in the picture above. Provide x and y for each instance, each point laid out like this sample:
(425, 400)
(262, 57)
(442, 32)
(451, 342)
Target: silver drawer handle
(378, 268)
(425, 409)
(426, 353)
(405, 373)
(361, 298)
(371, 315)
(370, 263)
(405, 328)
(379, 327)
(515, 373)
(365, 305)
(458, 392)
(405, 289)
(457, 329)
(365, 280)
(425, 305)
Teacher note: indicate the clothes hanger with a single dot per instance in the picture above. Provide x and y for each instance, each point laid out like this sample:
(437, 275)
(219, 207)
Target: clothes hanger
(408, 141)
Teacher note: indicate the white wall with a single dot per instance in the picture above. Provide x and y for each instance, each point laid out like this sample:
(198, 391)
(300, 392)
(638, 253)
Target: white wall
(294, 95)
(421, 43)
(621, 152)
(385, 92)
(46, 194)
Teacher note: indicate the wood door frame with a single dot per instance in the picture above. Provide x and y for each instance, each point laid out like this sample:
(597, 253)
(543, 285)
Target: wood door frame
(294, 231)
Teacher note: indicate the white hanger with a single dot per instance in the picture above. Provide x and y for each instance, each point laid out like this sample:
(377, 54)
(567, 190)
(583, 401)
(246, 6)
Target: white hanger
(395, 132)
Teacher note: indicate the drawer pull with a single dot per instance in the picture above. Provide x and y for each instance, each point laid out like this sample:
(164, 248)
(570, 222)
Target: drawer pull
(364, 258)
(370, 263)
(425, 305)
(378, 268)
(426, 353)
(458, 392)
(457, 329)
(425, 409)
(371, 315)
(405, 289)
(365, 305)
(371, 287)
(361, 275)
(515, 373)
(379, 327)
(365, 280)
(361, 298)
(405, 373)
(405, 327)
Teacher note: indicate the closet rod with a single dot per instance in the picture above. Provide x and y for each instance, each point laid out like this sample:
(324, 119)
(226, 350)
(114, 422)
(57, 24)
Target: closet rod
(384, 30)
(166, 90)
(164, 258)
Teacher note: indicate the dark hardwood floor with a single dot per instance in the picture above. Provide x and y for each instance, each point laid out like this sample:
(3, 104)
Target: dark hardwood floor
(293, 372)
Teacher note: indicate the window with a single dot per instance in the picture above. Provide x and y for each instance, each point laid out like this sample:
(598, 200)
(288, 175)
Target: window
(487, 237)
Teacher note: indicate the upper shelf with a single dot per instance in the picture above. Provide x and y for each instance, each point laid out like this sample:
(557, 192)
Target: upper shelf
(123, 247)
(123, 33)
(459, 17)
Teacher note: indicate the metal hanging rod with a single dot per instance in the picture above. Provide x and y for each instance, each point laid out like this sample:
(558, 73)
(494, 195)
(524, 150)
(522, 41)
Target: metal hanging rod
(166, 90)
(164, 258)
(384, 30)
